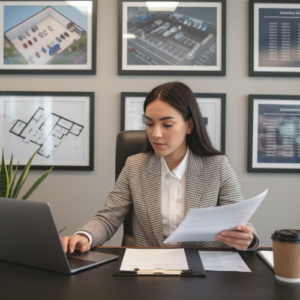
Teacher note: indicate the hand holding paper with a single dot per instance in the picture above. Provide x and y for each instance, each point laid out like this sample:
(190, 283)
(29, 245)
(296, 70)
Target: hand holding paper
(203, 224)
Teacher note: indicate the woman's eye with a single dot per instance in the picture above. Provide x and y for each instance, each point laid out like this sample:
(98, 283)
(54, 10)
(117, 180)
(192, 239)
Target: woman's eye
(168, 125)
(149, 124)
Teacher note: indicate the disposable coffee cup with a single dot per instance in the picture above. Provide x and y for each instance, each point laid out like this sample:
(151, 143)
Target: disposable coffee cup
(286, 251)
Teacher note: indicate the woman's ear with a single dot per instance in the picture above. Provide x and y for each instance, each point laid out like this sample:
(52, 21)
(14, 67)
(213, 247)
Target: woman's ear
(190, 126)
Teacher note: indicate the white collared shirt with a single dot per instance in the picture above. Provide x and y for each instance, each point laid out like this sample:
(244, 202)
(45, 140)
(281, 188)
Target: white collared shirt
(172, 195)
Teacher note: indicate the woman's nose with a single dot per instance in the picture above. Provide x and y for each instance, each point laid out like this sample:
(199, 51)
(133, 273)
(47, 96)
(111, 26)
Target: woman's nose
(157, 131)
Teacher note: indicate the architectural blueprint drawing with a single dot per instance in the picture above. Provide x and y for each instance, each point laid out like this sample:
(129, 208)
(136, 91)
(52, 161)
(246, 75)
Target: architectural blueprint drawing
(45, 129)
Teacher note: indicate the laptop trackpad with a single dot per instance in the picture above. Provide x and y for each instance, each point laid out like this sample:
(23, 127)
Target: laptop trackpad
(92, 256)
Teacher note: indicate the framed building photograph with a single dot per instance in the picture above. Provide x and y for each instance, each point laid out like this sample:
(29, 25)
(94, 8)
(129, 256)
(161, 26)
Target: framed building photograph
(274, 33)
(212, 107)
(172, 38)
(60, 125)
(274, 134)
(48, 37)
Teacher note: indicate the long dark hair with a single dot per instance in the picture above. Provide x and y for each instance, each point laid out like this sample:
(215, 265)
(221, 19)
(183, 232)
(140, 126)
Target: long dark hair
(183, 99)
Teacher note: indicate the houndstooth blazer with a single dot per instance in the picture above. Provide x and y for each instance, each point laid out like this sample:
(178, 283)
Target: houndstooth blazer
(210, 181)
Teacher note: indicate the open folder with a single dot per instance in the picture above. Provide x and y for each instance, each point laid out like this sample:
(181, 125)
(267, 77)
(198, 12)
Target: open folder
(164, 262)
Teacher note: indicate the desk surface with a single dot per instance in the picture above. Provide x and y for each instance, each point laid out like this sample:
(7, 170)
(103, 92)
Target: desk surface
(21, 282)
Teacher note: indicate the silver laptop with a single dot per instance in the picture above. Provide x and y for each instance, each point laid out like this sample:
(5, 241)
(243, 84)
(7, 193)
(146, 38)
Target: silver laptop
(29, 237)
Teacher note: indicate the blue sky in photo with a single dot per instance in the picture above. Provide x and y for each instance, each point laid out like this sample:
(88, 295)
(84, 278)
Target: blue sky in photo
(14, 15)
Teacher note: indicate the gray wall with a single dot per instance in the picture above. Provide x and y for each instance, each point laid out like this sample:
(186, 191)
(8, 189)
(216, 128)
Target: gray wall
(76, 196)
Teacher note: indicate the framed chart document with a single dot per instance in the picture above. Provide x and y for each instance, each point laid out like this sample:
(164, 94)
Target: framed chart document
(274, 33)
(212, 107)
(274, 134)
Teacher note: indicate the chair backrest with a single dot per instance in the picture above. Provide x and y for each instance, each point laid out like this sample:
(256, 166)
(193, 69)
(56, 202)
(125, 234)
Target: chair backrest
(128, 143)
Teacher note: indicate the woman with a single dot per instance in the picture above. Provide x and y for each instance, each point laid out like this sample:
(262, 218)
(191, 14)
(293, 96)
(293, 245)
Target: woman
(178, 170)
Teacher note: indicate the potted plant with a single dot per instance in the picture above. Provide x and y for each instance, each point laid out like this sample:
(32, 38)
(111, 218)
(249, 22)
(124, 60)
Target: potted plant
(8, 188)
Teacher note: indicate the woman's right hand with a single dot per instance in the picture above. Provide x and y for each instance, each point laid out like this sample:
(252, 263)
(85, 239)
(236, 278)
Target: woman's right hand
(76, 241)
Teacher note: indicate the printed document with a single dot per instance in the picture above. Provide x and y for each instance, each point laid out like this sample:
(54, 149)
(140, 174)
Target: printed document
(150, 259)
(203, 224)
(223, 261)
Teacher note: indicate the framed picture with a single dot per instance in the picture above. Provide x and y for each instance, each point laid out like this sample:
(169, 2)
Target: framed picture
(172, 38)
(60, 125)
(274, 33)
(48, 37)
(274, 134)
(212, 107)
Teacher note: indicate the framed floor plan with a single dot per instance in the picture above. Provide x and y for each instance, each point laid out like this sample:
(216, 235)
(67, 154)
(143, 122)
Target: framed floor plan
(58, 124)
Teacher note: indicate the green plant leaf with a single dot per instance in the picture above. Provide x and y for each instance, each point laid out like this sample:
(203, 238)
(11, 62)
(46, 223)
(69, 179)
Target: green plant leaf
(62, 229)
(23, 177)
(11, 186)
(36, 184)
(9, 170)
(4, 184)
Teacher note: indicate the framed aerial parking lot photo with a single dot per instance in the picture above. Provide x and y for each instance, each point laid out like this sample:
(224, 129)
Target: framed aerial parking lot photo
(274, 134)
(172, 38)
(274, 33)
(212, 107)
(48, 37)
(60, 125)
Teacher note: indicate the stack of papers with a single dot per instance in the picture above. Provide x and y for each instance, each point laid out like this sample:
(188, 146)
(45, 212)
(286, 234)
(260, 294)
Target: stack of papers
(150, 259)
(203, 224)
(223, 261)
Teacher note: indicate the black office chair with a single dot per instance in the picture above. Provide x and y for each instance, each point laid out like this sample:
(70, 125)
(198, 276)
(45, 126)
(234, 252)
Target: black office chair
(128, 143)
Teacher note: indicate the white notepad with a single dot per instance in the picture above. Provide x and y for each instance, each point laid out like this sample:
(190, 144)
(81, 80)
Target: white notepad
(150, 259)
(267, 256)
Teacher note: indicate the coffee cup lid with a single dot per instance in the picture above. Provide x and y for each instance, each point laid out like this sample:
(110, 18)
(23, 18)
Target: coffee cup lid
(286, 235)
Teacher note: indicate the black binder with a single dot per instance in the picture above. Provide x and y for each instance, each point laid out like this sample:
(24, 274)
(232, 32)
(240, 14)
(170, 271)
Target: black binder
(193, 259)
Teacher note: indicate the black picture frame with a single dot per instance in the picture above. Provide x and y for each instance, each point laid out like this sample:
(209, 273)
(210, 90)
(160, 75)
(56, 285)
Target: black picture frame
(274, 38)
(48, 39)
(158, 61)
(209, 100)
(58, 124)
(273, 134)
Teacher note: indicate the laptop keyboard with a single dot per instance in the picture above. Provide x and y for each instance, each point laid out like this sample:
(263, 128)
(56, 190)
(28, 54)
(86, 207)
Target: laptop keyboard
(76, 263)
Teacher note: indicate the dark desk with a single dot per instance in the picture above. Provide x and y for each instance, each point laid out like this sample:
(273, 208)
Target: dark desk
(21, 283)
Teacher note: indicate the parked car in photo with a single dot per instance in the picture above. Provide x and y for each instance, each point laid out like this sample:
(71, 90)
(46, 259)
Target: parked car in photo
(20, 38)
(37, 54)
(167, 33)
(58, 39)
(159, 44)
(191, 55)
(35, 39)
(66, 34)
(41, 35)
(54, 49)
(204, 28)
(36, 28)
(32, 29)
(173, 29)
(28, 33)
(30, 42)
(50, 28)
(179, 35)
(44, 49)
(31, 59)
(166, 25)
(24, 35)
(62, 36)
(199, 26)
(132, 50)
(158, 22)
(189, 23)
(72, 29)
(25, 46)
(45, 32)
(49, 46)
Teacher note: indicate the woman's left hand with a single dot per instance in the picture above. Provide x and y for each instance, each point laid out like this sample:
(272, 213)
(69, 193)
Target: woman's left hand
(240, 239)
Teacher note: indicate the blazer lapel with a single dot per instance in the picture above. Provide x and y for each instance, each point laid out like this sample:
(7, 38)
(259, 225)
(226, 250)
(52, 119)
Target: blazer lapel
(152, 194)
(195, 183)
